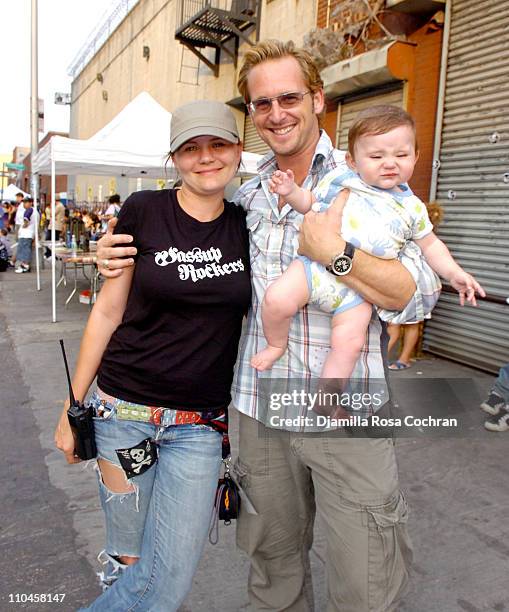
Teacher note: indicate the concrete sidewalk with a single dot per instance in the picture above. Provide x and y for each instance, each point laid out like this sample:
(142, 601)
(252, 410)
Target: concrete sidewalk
(52, 525)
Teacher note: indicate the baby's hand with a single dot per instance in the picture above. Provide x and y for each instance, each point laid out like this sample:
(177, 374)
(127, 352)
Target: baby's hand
(466, 285)
(282, 183)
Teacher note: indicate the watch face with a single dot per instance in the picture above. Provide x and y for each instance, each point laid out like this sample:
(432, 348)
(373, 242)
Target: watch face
(341, 265)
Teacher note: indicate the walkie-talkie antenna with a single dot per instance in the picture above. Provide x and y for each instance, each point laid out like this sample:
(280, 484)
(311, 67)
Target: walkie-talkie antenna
(71, 394)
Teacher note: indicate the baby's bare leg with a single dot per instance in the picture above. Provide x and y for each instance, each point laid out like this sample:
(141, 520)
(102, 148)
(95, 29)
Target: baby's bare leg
(282, 300)
(348, 336)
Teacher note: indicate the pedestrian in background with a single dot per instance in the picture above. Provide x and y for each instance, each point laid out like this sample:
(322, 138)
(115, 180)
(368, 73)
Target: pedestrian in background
(20, 213)
(497, 404)
(6, 241)
(57, 222)
(113, 208)
(92, 224)
(26, 235)
(5, 250)
(11, 216)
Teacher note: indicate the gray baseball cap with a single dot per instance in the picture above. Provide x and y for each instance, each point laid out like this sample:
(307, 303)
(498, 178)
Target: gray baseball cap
(202, 118)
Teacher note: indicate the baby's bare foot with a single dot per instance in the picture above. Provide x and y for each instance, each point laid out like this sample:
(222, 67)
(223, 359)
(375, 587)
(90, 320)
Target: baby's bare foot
(265, 359)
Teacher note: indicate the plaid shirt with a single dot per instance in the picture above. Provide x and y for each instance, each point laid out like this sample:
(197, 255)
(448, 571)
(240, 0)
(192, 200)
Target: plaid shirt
(273, 246)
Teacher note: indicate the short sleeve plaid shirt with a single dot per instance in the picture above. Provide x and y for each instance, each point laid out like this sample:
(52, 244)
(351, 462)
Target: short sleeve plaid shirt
(273, 242)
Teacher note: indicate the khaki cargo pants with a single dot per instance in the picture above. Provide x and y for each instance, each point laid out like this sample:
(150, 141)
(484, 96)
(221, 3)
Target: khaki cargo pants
(354, 485)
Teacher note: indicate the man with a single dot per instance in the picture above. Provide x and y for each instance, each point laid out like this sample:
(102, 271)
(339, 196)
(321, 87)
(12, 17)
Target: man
(288, 475)
(26, 235)
(58, 222)
(20, 212)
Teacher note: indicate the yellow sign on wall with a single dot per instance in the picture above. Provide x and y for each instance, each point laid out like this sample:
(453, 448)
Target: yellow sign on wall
(90, 193)
(112, 186)
(161, 183)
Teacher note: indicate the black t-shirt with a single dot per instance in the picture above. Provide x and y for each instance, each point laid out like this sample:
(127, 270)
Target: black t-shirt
(177, 344)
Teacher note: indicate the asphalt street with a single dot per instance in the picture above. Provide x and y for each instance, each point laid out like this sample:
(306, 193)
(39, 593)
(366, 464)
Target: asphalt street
(51, 528)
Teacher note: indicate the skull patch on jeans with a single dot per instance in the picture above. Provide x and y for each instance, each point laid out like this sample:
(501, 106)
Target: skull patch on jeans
(137, 459)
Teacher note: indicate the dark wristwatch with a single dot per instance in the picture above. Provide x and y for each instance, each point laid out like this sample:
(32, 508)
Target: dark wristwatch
(341, 264)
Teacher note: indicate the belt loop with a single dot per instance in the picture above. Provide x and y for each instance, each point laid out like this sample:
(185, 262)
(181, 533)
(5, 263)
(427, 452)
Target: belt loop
(157, 415)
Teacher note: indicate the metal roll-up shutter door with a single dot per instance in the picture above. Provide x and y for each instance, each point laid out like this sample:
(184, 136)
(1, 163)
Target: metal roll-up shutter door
(348, 109)
(252, 142)
(473, 186)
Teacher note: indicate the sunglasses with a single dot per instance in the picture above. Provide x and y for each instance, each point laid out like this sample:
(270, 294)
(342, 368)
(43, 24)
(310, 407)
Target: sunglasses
(285, 101)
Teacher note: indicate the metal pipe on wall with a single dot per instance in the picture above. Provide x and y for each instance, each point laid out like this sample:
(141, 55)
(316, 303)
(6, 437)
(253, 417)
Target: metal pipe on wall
(53, 241)
(34, 133)
(441, 102)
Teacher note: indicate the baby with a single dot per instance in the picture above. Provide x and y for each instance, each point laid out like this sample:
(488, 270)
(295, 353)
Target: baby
(381, 215)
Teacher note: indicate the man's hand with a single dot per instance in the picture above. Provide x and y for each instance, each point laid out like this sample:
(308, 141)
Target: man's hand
(64, 439)
(320, 233)
(108, 253)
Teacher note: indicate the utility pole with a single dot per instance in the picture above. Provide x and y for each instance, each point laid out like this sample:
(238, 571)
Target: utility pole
(34, 132)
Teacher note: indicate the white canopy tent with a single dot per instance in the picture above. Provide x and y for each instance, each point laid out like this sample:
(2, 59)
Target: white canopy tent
(9, 193)
(134, 144)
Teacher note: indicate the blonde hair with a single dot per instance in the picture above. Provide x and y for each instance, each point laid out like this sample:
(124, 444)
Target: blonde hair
(277, 49)
(377, 120)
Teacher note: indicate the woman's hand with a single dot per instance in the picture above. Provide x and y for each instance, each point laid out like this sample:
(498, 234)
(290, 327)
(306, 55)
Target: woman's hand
(64, 439)
(108, 254)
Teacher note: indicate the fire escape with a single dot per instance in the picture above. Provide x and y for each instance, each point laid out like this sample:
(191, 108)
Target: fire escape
(215, 23)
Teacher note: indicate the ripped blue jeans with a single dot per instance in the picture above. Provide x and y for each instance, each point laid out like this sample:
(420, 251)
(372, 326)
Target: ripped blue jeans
(165, 519)
(501, 385)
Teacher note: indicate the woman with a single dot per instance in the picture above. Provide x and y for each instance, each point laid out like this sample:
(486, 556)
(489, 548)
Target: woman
(163, 341)
(92, 224)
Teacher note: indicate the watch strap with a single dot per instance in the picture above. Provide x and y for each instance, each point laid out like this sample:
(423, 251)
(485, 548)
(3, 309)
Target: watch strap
(349, 250)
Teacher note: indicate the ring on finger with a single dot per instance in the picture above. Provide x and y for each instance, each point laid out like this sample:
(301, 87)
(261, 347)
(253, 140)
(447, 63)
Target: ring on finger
(106, 264)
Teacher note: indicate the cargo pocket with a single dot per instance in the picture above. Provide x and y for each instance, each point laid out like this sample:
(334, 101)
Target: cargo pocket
(240, 473)
(260, 532)
(389, 554)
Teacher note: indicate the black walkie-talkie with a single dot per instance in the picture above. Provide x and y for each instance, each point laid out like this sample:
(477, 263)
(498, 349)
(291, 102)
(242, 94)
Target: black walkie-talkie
(81, 421)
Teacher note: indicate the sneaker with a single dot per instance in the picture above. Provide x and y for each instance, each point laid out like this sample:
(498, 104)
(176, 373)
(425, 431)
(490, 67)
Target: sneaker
(498, 422)
(493, 404)
(20, 270)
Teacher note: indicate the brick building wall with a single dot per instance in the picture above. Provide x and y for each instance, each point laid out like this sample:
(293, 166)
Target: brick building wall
(421, 90)
(422, 103)
(326, 8)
